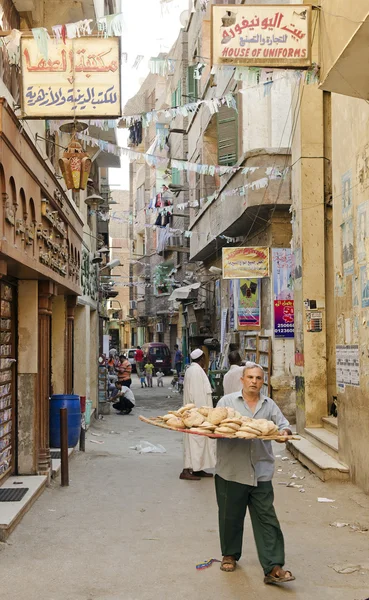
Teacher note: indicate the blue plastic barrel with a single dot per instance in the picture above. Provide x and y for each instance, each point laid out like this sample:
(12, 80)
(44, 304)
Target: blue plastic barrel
(72, 403)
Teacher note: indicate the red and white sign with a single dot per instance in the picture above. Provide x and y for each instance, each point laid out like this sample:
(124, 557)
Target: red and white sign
(271, 35)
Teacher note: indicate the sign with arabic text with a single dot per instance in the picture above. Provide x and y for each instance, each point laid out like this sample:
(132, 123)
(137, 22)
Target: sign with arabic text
(268, 35)
(248, 303)
(245, 263)
(80, 78)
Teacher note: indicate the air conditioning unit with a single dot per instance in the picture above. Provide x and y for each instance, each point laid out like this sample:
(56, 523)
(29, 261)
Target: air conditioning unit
(175, 242)
(132, 304)
(159, 327)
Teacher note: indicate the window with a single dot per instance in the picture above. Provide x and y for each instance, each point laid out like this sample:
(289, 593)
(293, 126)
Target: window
(177, 96)
(227, 126)
(176, 177)
(192, 84)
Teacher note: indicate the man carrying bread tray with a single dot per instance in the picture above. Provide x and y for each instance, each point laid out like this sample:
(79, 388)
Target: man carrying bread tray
(244, 473)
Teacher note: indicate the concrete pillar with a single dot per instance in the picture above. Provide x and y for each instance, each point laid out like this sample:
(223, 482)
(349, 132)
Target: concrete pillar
(82, 349)
(46, 291)
(27, 376)
(308, 216)
(58, 345)
(94, 355)
(69, 344)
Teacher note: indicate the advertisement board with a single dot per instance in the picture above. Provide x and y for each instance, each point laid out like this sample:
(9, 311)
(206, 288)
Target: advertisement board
(268, 35)
(80, 78)
(245, 263)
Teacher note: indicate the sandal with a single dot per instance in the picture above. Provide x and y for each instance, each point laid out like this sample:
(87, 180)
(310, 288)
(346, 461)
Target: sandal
(277, 575)
(228, 564)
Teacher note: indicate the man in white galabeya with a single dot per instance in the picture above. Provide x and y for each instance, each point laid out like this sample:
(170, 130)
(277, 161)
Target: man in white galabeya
(244, 473)
(199, 451)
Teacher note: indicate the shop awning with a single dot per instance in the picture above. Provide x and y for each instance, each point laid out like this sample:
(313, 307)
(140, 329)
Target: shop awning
(183, 293)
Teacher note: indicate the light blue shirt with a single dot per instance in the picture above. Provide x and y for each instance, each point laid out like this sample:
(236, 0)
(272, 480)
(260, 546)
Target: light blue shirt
(248, 461)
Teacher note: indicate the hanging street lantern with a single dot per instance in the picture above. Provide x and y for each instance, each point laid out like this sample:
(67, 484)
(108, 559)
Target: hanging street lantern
(75, 166)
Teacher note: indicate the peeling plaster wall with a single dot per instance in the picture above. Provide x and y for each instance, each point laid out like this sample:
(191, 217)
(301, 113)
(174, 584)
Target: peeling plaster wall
(351, 204)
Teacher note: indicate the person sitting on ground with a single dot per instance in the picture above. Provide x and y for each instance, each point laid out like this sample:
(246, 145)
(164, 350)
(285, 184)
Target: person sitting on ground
(125, 399)
(149, 368)
(232, 380)
(160, 376)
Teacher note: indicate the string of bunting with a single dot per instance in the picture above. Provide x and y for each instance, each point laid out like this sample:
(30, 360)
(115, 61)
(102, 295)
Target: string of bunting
(180, 165)
(253, 76)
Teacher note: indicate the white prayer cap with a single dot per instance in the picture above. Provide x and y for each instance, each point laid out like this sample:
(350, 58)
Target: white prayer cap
(196, 354)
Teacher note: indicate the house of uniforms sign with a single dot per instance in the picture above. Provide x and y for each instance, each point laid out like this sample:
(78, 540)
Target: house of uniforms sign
(261, 35)
(80, 78)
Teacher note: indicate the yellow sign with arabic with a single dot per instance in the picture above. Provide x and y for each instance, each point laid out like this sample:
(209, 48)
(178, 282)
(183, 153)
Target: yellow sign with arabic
(245, 263)
(80, 78)
(268, 35)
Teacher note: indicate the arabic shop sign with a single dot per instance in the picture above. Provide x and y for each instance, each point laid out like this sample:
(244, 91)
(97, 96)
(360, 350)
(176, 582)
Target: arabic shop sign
(261, 35)
(248, 263)
(79, 78)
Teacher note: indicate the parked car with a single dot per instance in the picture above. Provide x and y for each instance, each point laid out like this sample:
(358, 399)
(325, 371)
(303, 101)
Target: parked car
(130, 354)
(159, 355)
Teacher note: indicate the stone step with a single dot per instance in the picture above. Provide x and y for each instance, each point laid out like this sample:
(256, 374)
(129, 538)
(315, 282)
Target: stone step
(316, 460)
(330, 424)
(324, 439)
(11, 513)
(56, 462)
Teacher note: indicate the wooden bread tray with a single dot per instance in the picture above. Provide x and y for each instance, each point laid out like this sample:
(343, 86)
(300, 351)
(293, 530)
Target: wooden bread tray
(160, 423)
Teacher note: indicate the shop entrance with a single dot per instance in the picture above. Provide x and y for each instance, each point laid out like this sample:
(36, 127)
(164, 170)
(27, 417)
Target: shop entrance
(8, 378)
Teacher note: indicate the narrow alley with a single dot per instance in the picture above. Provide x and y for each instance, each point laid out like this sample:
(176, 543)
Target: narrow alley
(128, 529)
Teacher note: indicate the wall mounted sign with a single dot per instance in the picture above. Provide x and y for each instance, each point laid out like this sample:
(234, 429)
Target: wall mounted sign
(80, 78)
(247, 304)
(347, 365)
(245, 263)
(262, 35)
(283, 266)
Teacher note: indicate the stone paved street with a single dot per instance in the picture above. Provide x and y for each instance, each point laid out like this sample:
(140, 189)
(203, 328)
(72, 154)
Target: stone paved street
(128, 529)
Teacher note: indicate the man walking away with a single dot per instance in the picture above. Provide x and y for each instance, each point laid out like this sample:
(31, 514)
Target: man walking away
(124, 370)
(149, 368)
(178, 358)
(199, 451)
(243, 480)
(232, 380)
(125, 399)
(139, 360)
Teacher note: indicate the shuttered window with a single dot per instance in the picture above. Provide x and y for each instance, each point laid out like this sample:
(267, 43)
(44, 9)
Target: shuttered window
(177, 96)
(192, 84)
(176, 177)
(227, 126)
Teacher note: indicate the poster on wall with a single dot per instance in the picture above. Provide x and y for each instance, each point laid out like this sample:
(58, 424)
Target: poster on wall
(348, 247)
(364, 284)
(346, 195)
(283, 267)
(231, 306)
(361, 231)
(247, 299)
(347, 365)
(78, 78)
(245, 263)
(218, 299)
(261, 35)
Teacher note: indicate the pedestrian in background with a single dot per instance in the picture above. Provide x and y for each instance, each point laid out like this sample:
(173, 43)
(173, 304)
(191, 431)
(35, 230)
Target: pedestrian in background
(139, 360)
(160, 377)
(232, 380)
(199, 451)
(124, 370)
(243, 479)
(178, 358)
(125, 399)
(149, 368)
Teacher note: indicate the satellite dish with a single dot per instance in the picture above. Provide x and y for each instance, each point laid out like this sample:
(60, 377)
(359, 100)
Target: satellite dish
(184, 18)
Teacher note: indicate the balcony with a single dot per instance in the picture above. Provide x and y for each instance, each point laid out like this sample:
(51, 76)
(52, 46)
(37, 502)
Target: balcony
(49, 13)
(237, 215)
(167, 242)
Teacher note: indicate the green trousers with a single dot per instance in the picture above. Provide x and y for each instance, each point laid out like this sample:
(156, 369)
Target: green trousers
(233, 500)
